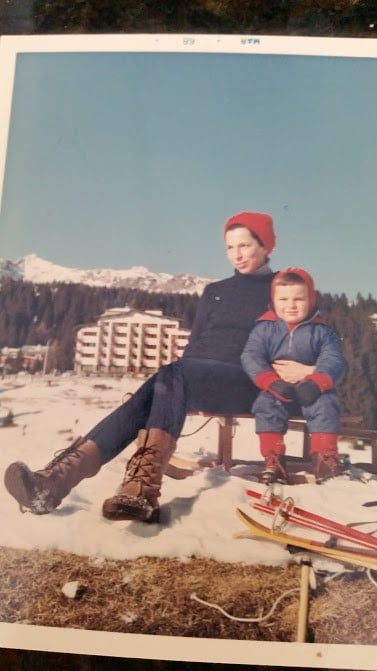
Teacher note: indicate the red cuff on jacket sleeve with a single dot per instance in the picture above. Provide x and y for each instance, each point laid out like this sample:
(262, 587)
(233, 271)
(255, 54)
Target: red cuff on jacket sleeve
(322, 380)
(263, 380)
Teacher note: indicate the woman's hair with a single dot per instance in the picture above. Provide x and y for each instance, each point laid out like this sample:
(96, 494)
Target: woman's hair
(253, 235)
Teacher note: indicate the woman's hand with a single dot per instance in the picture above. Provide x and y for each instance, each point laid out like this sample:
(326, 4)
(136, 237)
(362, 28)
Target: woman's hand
(292, 371)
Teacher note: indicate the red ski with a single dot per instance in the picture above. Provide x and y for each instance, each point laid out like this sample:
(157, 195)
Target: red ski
(285, 511)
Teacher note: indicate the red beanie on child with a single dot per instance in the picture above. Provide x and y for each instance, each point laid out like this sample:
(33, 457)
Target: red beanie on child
(306, 278)
(257, 222)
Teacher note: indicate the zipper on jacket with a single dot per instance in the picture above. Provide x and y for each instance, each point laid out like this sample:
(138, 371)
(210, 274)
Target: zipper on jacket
(290, 340)
(291, 332)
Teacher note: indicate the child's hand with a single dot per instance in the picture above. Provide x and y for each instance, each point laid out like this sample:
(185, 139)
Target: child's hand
(307, 392)
(283, 391)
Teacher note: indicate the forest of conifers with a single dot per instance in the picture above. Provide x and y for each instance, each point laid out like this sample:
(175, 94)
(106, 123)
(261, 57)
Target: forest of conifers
(34, 314)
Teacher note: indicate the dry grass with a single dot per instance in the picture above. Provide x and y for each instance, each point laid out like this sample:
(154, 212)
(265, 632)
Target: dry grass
(153, 596)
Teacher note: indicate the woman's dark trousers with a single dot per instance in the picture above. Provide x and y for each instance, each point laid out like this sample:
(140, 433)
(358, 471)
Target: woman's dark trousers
(162, 402)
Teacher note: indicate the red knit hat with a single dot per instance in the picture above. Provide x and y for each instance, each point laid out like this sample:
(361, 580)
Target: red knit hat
(304, 276)
(257, 222)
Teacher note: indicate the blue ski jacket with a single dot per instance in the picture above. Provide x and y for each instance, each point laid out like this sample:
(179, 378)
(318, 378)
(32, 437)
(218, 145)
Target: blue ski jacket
(311, 342)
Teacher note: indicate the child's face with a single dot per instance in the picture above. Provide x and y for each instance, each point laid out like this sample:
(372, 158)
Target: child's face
(291, 302)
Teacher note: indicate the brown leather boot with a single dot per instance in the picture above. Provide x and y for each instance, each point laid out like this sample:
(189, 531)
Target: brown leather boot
(138, 496)
(274, 470)
(41, 491)
(326, 466)
(272, 448)
(326, 462)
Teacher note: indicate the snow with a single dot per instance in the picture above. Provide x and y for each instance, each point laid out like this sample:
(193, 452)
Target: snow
(31, 268)
(198, 515)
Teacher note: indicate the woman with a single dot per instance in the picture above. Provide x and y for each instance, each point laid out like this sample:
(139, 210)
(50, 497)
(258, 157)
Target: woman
(207, 378)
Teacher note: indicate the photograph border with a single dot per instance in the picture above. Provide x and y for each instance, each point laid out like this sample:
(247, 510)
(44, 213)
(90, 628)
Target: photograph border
(53, 639)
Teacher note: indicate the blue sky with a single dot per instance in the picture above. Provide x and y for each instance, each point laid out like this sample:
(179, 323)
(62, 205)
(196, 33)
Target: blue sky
(121, 159)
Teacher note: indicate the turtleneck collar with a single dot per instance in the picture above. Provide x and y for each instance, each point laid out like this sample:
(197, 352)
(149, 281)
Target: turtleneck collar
(260, 272)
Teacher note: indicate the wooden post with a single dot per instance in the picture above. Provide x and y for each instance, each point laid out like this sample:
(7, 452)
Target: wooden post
(304, 599)
(225, 442)
(373, 444)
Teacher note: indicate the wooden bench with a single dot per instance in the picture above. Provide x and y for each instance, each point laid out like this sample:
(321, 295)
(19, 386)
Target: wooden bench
(350, 428)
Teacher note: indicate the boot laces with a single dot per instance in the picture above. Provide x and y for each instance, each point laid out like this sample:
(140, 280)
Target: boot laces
(329, 461)
(65, 454)
(141, 466)
(273, 464)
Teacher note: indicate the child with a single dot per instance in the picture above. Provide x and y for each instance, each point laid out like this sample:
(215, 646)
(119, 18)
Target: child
(293, 329)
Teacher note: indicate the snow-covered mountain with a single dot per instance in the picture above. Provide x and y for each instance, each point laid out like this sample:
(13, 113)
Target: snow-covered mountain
(31, 268)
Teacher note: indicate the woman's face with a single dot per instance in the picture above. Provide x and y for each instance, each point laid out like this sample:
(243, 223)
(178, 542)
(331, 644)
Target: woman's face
(244, 252)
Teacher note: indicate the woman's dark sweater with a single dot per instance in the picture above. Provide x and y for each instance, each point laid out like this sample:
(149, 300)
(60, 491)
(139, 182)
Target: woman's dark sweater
(225, 316)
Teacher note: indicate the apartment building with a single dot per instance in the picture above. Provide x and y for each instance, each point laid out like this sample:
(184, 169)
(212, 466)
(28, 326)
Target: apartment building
(127, 340)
